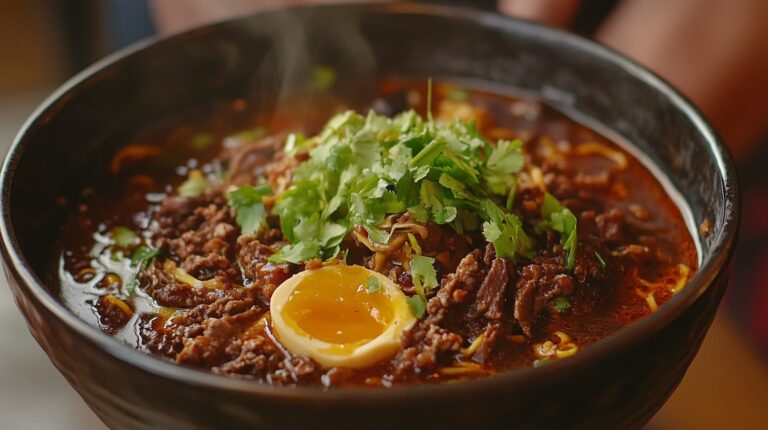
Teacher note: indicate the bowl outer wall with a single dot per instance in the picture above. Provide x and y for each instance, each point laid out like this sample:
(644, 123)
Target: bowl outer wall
(622, 380)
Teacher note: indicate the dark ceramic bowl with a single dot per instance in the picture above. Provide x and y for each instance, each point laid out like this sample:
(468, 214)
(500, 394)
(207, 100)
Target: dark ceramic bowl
(619, 382)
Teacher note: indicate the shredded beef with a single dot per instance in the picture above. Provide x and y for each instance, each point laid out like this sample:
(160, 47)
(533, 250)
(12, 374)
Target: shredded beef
(252, 160)
(456, 287)
(612, 226)
(491, 295)
(538, 284)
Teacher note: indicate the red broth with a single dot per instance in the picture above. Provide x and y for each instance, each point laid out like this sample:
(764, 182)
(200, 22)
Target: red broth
(634, 253)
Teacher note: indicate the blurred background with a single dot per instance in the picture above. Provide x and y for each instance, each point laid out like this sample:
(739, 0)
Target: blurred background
(44, 42)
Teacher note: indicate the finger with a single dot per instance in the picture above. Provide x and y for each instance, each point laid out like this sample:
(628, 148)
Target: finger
(557, 13)
(713, 51)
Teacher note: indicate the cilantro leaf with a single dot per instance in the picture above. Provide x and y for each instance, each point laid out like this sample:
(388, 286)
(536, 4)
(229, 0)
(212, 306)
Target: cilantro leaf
(444, 215)
(195, 185)
(417, 305)
(504, 161)
(143, 255)
(248, 204)
(419, 213)
(140, 260)
(423, 273)
(561, 303)
(505, 232)
(361, 169)
(296, 253)
(372, 285)
(377, 235)
(558, 218)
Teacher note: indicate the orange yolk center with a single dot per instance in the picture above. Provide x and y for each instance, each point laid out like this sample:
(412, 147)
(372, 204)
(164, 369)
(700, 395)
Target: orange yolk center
(334, 306)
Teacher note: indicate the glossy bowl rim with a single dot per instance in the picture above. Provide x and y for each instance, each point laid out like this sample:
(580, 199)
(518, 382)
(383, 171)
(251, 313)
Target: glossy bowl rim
(710, 268)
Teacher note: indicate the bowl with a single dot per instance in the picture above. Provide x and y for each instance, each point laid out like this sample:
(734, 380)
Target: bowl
(619, 382)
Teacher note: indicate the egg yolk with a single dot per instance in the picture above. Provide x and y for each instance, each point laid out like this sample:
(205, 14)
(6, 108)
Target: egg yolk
(333, 305)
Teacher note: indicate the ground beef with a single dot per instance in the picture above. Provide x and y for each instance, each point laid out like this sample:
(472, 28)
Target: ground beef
(111, 316)
(221, 339)
(263, 275)
(425, 346)
(257, 357)
(166, 291)
(167, 337)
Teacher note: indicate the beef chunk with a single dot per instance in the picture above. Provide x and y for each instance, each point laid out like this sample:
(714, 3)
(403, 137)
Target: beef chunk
(538, 284)
(612, 226)
(490, 296)
(252, 160)
(456, 287)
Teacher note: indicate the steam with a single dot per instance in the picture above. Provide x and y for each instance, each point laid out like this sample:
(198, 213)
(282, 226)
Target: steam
(299, 43)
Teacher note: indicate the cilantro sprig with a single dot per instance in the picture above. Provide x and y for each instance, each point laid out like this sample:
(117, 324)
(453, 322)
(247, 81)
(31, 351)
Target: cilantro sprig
(363, 168)
(559, 218)
(249, 206)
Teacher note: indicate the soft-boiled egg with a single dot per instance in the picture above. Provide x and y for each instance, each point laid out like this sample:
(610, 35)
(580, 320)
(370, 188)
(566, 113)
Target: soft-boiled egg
(340, 316)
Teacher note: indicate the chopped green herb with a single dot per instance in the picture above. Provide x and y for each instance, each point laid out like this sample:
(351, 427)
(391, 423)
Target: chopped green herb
(600, 260)
(294, 142)
(559, 218)
(202, 141)
(323, 78)
(541, 362)
(378, 235)
(195, 185)
(418, 305)
(131, 286)
(505, 160)
(361, 169)
(124, 237)
(423, 273)
(457, 94)
(561, 303)
(372, 285)
(142, 256)
(247, 202)
(505, 232)
(140, 260)
(295, 253)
